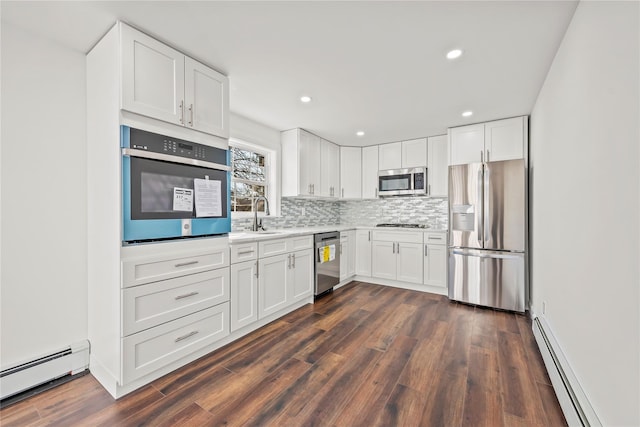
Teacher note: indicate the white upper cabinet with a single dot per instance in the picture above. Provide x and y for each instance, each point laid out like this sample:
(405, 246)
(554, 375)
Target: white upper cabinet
(310, 165)
(414, 153)
(504, 139)
(164, 84)
(390, 156)
(466, 144)
(152, 77)
(438, 166)
(206, 99)
(351, 172)
(492, 141)
(370, 172)
(329, 169)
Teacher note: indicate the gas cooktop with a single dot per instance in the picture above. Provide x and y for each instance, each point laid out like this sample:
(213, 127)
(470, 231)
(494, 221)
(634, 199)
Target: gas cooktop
(403, 225)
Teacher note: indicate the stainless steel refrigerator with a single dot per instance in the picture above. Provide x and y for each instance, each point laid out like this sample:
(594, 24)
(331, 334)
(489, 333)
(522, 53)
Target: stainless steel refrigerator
(488, 234)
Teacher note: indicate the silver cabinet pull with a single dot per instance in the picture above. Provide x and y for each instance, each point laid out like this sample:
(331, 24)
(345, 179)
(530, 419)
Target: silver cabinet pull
(183, 264)
(393, 248)
(293, 258)
(182, 112)
(376, 192)
(246, 252)
(343, 193)
(488, 156)
(190, 294)
(289, 261)
(425, 250)
(257, 269)
(481, 156)
(191, 115)
(429, 189)
(398, 250)
(435, 238)
(184, 337)
(340, 248)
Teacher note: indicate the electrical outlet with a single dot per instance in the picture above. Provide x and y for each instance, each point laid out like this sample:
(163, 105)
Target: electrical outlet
(303, 212)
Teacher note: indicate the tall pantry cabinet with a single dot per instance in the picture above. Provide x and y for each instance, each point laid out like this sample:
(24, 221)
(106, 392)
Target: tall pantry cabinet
(137, 81)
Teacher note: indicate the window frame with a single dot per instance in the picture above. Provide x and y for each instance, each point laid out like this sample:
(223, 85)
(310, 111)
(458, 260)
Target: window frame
(270, 177)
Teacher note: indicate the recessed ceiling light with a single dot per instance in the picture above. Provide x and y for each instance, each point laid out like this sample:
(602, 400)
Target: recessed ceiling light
(305, 99)
(467, 114)
(453, 54)
(360, 133)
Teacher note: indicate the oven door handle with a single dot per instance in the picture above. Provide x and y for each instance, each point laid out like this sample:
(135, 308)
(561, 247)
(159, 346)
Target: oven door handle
(133, 152)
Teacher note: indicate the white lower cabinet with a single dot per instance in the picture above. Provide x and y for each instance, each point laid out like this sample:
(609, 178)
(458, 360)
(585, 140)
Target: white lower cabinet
(244, 294)
(174, 301)
(301, 275)
(286, 276)
(435, 259)
(155, 348)
(363, 253)
(347, 254)
(397, 256)
(273, 275)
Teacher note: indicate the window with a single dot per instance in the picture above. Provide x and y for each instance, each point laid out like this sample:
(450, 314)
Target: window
(250, 177)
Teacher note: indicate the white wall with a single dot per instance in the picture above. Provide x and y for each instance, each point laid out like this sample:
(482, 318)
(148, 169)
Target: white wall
(585, 231)
(44, 292)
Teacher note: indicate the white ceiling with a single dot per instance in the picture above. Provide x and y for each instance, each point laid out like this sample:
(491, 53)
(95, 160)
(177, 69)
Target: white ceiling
(373, 66)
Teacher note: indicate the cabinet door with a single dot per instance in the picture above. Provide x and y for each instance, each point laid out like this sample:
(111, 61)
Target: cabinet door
(438, 166)
(309, 167)
(329, 169)
(363, 253)
(301, 275)
(390, 156)
(383, 260)
(351, 172)
(409, 262)
(351, 254)
(344, 259)
(370, 172)
(504, 139)
(244, 294)
(435, 265)
(206, 99)
(466, 144)
(152, 77)
(273, 276)
(414, 153)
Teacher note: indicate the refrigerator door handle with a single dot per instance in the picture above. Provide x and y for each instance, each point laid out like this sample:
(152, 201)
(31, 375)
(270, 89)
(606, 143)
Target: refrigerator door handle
(486, 205)
(480, 212)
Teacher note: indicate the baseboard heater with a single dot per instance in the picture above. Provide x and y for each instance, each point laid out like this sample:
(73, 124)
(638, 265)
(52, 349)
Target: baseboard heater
(573, 401)
(44, 371)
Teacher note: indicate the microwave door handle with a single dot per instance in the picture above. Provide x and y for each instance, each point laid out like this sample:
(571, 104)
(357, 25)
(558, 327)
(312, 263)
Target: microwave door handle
(132, 152)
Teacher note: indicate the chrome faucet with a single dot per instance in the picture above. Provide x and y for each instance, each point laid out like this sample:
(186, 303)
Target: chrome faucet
(258, 225)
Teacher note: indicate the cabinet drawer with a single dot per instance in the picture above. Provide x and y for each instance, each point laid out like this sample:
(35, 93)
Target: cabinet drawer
(299, 243)
(244, 252)
(397, 236)
(435, 238)
(156, 303)
(157, 347)
(272, 247)
(146, 270)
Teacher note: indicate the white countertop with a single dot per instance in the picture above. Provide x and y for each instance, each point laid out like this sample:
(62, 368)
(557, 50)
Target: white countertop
(251, 236)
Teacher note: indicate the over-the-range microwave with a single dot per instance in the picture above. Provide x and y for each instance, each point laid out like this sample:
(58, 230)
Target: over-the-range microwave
(402, 182)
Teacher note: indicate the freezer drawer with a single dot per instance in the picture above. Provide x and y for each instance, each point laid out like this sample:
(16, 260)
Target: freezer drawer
(488, 278)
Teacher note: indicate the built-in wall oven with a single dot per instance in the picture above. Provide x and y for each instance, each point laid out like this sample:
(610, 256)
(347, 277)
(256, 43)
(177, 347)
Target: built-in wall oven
(172, 188)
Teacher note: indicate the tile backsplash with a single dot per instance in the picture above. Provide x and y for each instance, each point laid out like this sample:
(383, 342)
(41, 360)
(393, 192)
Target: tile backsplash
(418, 210)
(432, 211)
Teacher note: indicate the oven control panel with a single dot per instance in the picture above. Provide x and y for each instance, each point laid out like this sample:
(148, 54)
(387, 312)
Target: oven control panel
(153, 142)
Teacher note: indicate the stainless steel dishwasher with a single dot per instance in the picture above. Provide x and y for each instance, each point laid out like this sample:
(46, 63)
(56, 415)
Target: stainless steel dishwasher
(327, 253)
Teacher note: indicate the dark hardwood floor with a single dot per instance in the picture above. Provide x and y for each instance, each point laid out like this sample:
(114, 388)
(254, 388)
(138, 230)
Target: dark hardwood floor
(366, 355)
